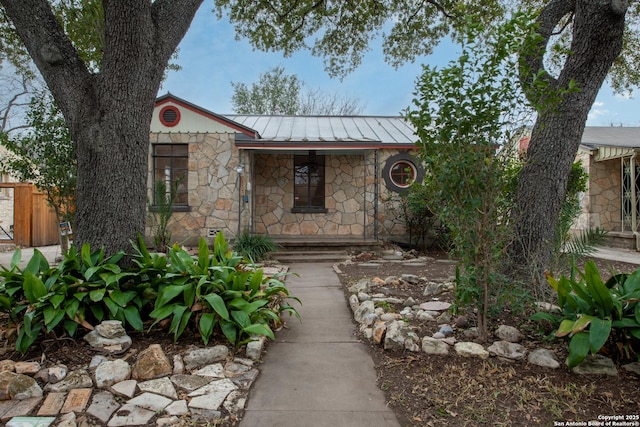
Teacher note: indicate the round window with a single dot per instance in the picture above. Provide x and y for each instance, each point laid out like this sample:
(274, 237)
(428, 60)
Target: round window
(400, 171)
(170, 116)
(403, 173)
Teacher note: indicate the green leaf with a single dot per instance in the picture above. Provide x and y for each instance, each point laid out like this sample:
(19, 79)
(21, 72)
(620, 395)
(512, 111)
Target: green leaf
(217, 304)
(207, 323)
(85, 254)
(599, 292)
(259, 329)
(582, 322)
(16, 258)
(256, 280)
(598, 333)
(241, 318)
(56, 300)
(33, 287)
(52, 317)
(578, 349)
(133, 317)
(89, 272)
(168, 293)
(229, 330)
(565, 328)
(203, 254)
(112, 306)
(97, 295)
(121, 298)
(37, 264)
(162, 312)
(98, 311)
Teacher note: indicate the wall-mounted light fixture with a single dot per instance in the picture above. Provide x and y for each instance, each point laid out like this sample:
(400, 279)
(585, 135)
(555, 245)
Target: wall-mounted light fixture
(239, 168)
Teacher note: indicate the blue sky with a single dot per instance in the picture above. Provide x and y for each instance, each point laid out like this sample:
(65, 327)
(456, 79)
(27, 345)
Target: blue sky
(211, 59)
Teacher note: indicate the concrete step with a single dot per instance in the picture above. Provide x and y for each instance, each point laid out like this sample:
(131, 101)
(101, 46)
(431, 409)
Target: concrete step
(291, 257)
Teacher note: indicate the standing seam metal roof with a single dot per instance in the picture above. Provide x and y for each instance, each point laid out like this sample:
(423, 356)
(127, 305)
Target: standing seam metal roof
(382, 129)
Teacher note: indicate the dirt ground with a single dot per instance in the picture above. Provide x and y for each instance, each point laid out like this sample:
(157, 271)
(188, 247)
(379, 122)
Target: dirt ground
(428, 390)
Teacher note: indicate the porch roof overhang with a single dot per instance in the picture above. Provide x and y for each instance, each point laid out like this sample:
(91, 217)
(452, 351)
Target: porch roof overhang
(610, 153)
(281, 146)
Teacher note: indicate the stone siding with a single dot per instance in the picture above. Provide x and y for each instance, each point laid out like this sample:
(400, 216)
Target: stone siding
(214, 200)
(602, 206)
(349, 198)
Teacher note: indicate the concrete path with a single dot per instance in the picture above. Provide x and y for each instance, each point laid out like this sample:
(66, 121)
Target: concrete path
(317, 372)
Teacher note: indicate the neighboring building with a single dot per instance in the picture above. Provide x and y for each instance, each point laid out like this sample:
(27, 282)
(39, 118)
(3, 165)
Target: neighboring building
(610, 157)
(304, 177)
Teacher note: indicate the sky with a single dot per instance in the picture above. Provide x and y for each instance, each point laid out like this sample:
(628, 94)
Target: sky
(211, 59)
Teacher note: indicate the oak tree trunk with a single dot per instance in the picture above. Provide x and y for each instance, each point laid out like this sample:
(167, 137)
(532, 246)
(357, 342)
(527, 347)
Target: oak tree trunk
(597, 40)
(108, 112)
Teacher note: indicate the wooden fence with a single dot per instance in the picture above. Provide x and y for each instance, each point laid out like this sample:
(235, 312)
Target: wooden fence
(34, 222)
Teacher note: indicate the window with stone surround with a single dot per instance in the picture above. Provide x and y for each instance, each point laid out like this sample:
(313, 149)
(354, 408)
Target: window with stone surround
(309, 183)
(400, 171)
(171, 166)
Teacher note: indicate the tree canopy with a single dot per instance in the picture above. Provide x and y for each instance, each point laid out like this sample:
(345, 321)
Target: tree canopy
(280, 93)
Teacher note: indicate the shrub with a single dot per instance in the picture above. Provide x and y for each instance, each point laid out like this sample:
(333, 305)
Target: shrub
(594, 312)
(212, 290)
(255, 247)
(215, 290)
(84, 289)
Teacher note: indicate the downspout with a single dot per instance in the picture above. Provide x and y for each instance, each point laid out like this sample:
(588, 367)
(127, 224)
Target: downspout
(376, 190)
(364, 195)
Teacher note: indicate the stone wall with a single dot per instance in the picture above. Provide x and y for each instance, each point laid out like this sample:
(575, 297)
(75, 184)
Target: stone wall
(604, 198)
(214, 199)
(213, 184)
(349, 198)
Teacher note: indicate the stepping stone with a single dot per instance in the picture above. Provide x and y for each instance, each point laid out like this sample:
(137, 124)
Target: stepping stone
(20, 408)
(31, 421)
(103, 406)
(52, 404)
(131, 415)
(435, 306)
(76, 400)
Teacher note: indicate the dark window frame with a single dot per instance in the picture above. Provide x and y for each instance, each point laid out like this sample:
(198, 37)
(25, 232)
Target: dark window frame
(174, 159)
(309, 182)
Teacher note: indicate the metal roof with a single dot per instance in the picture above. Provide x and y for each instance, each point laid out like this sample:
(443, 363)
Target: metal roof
(607, 136)
(329, 131)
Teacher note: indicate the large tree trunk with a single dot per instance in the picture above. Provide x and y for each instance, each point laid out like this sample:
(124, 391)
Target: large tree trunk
(109, 112)
(598, 27)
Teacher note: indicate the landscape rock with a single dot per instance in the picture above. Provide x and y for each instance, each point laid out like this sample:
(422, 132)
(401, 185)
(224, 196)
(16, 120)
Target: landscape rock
(151, 363)
(76, 379)
(354, 302)
(435, 306)
(433, 289)
(111, 329)
(596, 365)
(18, 386)
(434, 346)
(400, 336)
(255, 347)
(410, 278)
(507, 350)
(377, 334)
(361, 286)
(508, 333)
(205, 356)
(111, 372)
(366, 308)
(633, 367)
(471, 349)
(544, 357)
(53, 374)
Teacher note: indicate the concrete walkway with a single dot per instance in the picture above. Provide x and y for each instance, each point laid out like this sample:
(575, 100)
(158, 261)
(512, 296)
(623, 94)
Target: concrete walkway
(317, 372)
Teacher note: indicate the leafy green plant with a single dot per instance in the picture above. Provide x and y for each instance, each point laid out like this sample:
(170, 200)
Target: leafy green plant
(85, 288)
(255, 247)
(593, 311)
(160, 211)
(466, 116)
(215, 290)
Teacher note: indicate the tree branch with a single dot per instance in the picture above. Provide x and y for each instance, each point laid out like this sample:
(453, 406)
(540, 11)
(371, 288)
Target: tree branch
(532, 58)
(51, 50)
